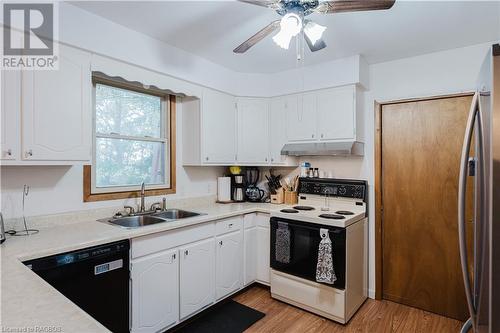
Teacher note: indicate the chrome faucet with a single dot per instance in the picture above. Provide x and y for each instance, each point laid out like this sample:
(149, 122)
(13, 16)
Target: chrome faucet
(142, 208)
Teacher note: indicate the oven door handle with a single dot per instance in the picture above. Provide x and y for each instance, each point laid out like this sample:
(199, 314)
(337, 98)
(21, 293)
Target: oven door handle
(291, 224)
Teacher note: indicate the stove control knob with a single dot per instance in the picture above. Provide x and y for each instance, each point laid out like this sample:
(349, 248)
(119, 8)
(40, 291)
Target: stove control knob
(342, 190)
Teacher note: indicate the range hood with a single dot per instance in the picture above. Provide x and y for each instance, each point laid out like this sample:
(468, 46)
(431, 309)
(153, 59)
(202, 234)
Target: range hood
(344, 148)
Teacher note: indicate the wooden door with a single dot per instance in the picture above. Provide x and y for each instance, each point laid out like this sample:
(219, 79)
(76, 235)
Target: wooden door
(56, 110)
(197, 285)
(253, 130)
(229, 263)
(336, 113)
(219, 127)
(155, 292)
(421, 147)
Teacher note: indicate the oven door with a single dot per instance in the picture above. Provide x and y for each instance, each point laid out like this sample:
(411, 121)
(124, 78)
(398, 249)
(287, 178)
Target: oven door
(304, 244)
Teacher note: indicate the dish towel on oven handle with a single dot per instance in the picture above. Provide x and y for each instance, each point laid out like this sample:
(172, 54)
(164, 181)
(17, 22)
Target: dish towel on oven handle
(283, 243)
(325, 272)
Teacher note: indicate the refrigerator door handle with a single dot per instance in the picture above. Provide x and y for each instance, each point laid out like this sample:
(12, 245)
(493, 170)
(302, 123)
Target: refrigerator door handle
(462, 186)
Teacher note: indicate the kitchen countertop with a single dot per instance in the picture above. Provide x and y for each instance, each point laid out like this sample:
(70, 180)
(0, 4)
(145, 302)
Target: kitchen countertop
(29, 303)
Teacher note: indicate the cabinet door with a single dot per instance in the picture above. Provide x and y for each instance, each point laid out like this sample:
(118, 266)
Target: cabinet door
(253, 131)
(263, 254)
(301, 118)
(229, 261)
(57, 110)
(197, 287)
(155, 292)
(218, 127)
(10, 135)
(336, 113)
(250, 255)
(277, 127)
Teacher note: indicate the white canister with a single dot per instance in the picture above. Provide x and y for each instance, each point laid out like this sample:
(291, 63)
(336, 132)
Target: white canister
(224, 189)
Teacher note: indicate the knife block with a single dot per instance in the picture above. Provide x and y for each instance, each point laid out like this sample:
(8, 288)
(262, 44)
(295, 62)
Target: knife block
(278, 198)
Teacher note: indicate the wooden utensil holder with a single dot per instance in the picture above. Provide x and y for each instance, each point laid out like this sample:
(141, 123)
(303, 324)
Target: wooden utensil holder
(278, 198)
(291, 197)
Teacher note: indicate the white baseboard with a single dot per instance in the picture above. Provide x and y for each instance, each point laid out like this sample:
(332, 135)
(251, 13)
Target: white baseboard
(371, 293)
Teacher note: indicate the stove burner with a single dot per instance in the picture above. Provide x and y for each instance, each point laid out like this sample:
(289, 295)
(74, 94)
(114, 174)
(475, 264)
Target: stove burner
(289, 211)
(344, 212)
(332, 216)
(303, 207)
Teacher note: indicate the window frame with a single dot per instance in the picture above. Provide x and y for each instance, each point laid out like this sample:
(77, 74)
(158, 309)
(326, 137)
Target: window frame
(168, 105)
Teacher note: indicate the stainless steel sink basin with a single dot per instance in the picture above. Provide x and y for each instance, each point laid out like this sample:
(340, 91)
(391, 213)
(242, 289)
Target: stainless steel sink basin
(136, 221)
(175, 214)
(144, 219)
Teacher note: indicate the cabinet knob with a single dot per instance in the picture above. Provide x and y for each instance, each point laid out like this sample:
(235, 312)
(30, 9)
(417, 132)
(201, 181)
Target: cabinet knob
(29, 153)
(265, 159)
(173, 256)
(272, 159)
(322, 136)
(186, 252)
(206, 158)
(220, 243)
(230, 225)
(312, 136)
(9, 152)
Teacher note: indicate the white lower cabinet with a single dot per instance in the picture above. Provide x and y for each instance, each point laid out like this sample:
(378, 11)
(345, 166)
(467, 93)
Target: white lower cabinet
(155, 290)
(197, 263)
(229, 255)
(177, 273)
(263, 248)
(250, 255)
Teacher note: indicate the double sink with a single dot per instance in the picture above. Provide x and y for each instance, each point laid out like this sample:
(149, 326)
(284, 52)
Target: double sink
(144, 219)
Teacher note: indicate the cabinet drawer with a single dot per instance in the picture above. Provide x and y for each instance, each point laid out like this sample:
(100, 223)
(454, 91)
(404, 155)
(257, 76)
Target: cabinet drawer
(144, 245)
(262, 220)
(249, 220)
(228, 225)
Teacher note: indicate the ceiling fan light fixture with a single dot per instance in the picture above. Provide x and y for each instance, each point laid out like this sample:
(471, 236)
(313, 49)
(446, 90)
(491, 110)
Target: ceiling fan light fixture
(290, 26)
(314, 31)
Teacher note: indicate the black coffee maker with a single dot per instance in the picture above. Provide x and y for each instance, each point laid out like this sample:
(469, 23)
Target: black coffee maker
(252, 192)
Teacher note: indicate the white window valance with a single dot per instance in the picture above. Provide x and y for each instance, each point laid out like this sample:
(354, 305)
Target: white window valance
(147, 78)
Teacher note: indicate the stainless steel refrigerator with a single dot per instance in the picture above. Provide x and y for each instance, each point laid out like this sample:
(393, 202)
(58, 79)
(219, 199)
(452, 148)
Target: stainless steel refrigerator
(481, 167)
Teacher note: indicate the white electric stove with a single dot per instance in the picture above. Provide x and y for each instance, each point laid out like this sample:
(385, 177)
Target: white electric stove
(340, 207)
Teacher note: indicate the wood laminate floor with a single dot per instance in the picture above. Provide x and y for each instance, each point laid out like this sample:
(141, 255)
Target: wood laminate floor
(374, 316)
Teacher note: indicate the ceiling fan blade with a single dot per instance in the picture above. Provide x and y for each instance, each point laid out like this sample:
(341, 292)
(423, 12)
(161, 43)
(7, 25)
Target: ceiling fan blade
(270, 28)
(339, 6)
(319, 45)
(273, 4)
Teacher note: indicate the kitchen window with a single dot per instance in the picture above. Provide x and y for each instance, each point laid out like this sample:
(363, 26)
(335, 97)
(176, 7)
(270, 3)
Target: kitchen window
(133, 141)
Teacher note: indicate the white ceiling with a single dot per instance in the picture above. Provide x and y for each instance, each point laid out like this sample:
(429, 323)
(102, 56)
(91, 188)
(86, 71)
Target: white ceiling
(212, 29)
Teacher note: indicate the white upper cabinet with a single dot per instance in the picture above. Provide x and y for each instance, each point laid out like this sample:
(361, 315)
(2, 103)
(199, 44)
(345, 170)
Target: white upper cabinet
(301, 117)
(10, 135)
(229, 262)
(197, 270)
(155, 292)
(253, 131)
(336, 113)
(56, 108)
(218, 127)
(279, 107)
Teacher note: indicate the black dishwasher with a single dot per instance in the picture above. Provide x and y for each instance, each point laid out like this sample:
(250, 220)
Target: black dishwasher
(96, 279)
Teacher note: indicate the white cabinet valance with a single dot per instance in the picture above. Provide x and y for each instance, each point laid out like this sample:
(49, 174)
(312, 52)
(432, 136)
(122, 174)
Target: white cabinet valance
(131, 73)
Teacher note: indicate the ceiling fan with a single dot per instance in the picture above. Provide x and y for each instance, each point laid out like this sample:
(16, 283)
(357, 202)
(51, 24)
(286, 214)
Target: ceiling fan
(293, 21)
